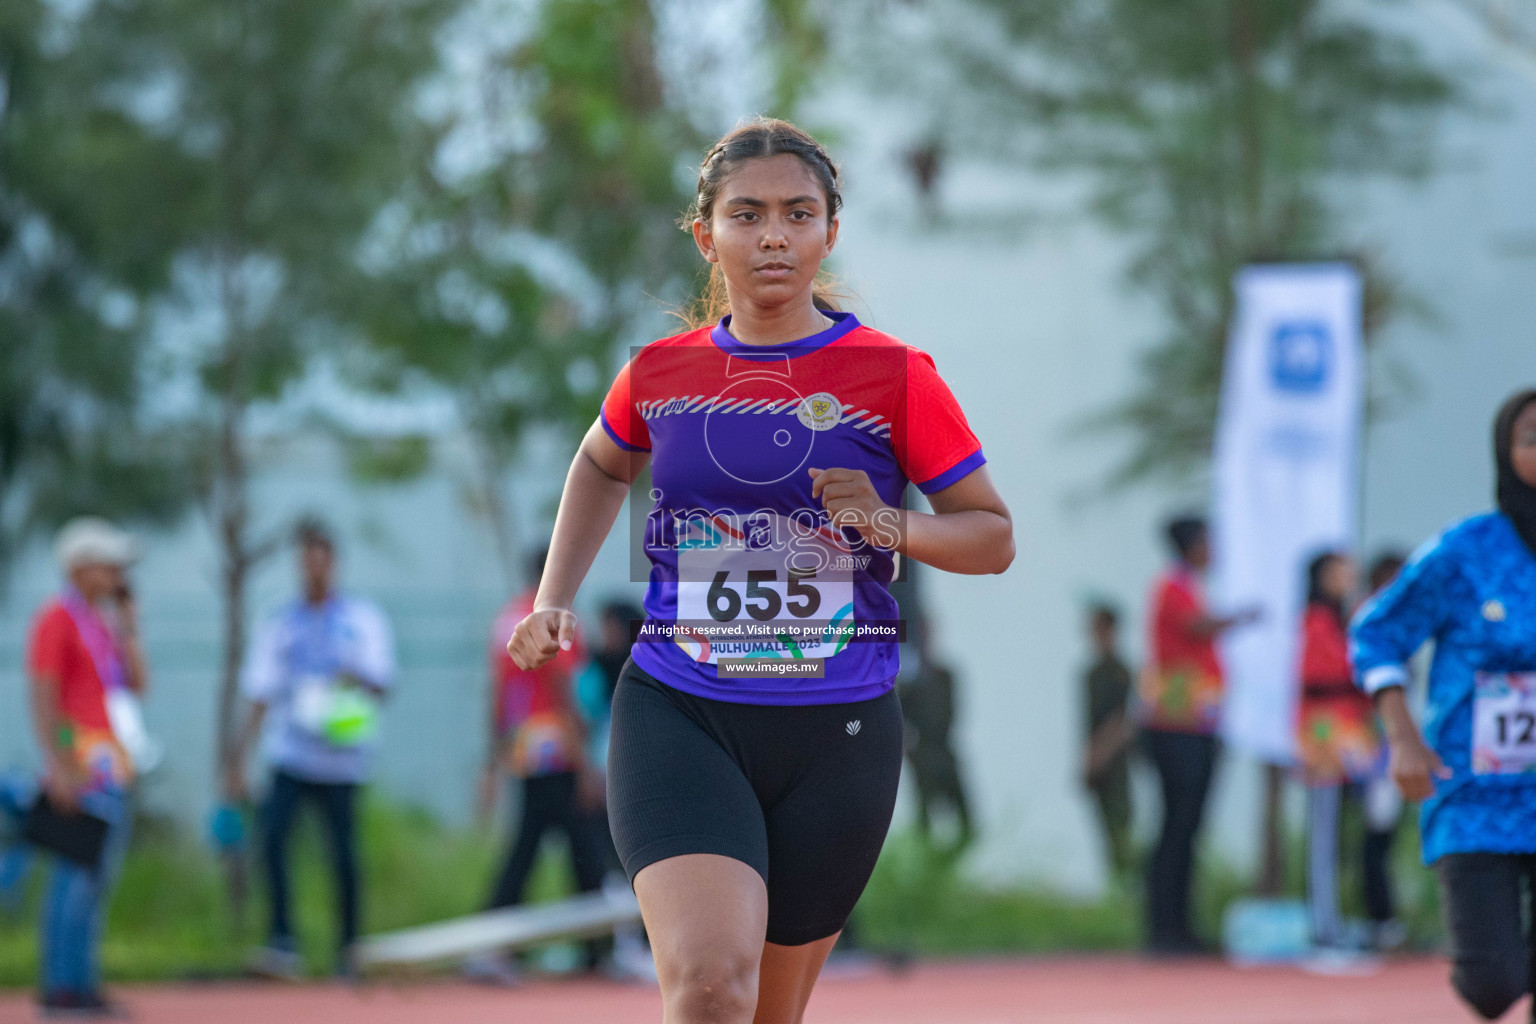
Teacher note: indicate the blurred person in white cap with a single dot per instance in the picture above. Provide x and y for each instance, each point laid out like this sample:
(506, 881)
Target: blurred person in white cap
(87, 671)
(314, 676)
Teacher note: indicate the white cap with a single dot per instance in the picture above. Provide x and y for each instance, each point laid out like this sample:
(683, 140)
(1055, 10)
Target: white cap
(91, 540)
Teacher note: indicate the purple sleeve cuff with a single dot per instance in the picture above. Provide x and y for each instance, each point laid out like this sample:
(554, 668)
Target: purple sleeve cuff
(603, 419)
(954, 474)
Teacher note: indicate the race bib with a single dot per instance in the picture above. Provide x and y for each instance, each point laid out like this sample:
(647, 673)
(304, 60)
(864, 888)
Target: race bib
(1504, 723)
(758, 592)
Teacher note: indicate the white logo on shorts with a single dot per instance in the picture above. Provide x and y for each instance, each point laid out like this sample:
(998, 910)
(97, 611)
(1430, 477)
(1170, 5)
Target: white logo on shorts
(853, 727)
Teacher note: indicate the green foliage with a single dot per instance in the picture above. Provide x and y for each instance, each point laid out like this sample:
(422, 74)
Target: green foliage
(919, 901)
(799, 42)
(291, 119)
(388, 459)
(170, 917)
(73, 276)
(511, 285)
(289, 125)
(1211, 133)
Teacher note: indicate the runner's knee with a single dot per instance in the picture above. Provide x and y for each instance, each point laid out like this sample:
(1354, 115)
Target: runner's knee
(1490, 985)
(710, 986)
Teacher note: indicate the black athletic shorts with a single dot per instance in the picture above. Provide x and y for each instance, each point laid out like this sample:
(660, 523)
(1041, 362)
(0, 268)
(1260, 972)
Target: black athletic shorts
(803, 795)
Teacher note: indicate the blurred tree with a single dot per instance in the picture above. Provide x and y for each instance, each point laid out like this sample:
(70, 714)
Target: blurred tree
(73, 273)
(1211, 133)
(797, 39)
(1513, 23)
(512, 278)
(294, 121)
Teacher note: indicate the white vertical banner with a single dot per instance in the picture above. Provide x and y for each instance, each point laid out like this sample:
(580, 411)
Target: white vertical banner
(1286, 479)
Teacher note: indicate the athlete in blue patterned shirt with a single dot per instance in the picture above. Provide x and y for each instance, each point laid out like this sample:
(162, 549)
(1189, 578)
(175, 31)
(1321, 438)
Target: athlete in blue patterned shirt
(1473, 591)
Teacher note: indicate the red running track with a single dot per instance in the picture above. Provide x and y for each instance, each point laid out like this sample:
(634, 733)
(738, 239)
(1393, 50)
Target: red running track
(1074, 991)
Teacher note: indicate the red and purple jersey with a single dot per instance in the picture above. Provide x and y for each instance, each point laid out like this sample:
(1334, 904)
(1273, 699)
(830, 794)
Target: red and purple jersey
(744, 562)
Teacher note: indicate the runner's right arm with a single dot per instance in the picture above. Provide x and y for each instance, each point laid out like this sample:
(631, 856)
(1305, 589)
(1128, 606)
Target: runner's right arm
(262, 678)
(1414, 766)
(595, 487)
(1384, 635)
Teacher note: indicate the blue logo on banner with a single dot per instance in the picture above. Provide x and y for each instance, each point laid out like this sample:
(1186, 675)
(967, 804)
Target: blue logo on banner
(1300, 353)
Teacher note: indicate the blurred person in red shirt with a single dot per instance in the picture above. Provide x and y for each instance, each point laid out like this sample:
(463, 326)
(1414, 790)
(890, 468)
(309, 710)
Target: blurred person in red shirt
(1341, 754)
(1179, 707)
(538, 736)
(87, 670)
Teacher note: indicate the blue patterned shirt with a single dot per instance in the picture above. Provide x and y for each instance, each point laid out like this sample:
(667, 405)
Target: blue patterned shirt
(1472, 590)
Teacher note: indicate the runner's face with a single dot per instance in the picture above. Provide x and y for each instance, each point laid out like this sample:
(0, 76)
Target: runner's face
(1522, 450)
(95, 580)
(1199, 554)
(769, 231)
(1103, 636)
(1340, 578)
(317, 563)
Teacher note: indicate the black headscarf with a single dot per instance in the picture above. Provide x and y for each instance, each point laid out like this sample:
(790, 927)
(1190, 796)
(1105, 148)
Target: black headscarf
(1517, 499)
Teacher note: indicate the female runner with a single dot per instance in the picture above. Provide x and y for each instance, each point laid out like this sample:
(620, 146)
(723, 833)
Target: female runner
(1473, 591)
(749, 799)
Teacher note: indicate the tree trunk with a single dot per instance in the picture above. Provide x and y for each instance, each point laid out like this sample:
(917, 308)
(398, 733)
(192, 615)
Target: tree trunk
(1250, 126)
(496, 511)
(233, 513)
(232, 523)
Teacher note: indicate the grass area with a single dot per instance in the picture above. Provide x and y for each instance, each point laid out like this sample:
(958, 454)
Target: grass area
(920, 901)
(171, 919)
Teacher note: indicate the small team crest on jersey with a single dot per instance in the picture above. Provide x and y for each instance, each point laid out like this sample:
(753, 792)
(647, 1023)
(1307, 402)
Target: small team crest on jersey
(821, 411)
(1493, 610)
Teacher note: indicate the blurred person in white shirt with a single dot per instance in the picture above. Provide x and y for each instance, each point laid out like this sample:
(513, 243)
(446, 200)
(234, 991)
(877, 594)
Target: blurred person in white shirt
(315, 676)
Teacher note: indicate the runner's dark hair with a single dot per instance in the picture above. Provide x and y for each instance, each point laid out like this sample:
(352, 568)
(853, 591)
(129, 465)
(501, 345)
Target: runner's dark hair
(1183, 533)
(1384, 568)
(1316, 593)
(312, 531)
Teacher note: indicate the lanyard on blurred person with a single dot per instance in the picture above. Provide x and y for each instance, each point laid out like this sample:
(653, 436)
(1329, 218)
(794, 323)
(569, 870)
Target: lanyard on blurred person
(98, 640)
(123, 710)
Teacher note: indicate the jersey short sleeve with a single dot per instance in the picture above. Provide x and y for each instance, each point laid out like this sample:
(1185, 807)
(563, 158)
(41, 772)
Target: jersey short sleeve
(262, 675)
(48, 652)
(935, 445)
(375, 651)
(620, 419)
(1396, 622)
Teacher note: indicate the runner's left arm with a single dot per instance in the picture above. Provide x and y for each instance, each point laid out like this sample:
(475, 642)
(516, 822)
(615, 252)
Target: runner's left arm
(969, 530)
